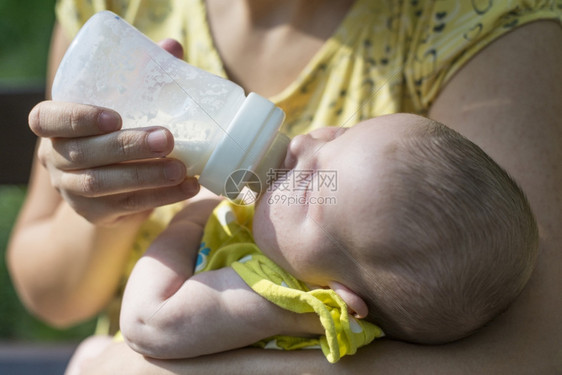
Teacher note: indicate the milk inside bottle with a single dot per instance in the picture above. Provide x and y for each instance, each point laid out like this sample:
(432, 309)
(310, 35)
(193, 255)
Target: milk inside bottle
(217, 129)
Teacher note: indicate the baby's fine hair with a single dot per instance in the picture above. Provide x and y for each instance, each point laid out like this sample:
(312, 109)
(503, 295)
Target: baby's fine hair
(461, 241)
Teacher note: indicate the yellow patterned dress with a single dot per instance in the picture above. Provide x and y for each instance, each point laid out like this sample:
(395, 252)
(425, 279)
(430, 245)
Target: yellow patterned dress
(385, 57)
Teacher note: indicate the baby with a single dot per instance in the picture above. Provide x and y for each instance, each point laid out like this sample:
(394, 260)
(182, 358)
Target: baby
(425, 236)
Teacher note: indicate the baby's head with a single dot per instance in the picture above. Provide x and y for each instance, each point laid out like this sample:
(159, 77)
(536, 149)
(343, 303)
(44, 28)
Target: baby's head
(405, 218)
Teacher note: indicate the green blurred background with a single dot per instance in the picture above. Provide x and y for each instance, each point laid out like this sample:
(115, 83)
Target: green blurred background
(25, 31)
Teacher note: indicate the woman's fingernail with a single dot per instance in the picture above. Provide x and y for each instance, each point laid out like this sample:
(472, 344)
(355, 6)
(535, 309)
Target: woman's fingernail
(174, 171)
(190, 186)
(109, 121)
(157, 141)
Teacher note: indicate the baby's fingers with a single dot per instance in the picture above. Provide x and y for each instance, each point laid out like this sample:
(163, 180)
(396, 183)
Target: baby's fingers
(69, 120)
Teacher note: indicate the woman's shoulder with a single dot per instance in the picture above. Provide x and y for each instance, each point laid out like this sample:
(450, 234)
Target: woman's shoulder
(446, 34)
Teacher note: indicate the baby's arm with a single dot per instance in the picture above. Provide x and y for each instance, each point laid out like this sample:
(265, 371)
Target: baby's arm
(170, 313)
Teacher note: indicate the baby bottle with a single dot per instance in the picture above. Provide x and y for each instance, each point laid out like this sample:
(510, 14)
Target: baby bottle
(216, 128)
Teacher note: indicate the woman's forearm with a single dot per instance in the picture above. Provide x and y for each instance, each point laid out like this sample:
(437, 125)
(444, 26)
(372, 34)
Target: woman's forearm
(65, 268)
(487, 354)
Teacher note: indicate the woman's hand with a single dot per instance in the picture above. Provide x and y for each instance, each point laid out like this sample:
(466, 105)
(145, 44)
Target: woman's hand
(67, 269)
(103, 172)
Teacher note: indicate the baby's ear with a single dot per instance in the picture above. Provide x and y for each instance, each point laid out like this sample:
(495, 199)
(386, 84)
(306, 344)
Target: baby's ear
(358, 308)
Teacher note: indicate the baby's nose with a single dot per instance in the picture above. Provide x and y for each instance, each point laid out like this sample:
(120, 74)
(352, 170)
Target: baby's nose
(297, 149)
(298, 143)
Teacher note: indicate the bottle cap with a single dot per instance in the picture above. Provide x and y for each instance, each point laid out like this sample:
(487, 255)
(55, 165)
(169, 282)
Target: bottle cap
(245, 142)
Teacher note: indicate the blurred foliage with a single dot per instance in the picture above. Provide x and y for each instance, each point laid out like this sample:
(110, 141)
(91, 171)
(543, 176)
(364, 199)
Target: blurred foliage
(25, 32)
